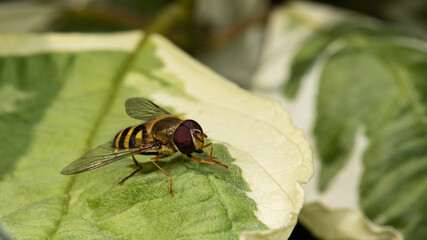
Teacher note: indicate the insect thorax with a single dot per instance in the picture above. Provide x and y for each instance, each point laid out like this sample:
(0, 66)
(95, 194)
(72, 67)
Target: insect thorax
(164, 128)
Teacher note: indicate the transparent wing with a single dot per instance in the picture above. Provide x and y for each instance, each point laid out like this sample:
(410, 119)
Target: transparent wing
(98, 157)
(143, 109)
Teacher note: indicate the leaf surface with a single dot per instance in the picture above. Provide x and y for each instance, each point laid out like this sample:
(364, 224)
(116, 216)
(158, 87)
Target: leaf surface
(55, 93)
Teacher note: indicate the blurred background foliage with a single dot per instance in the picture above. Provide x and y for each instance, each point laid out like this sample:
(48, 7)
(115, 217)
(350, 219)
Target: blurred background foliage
(225, 35)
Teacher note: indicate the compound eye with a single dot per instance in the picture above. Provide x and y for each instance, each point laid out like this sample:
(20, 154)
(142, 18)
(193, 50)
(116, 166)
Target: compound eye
(183, 140)
(184, 135)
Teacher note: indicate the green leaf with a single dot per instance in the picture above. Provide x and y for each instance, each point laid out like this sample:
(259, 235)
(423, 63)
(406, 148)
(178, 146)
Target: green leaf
(372, 79)
(63, 94)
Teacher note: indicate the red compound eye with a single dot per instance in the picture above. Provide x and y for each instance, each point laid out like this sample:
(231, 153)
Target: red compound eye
(182, 137)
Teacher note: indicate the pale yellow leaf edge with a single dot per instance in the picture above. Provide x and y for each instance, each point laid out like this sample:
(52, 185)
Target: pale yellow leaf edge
(319, 219)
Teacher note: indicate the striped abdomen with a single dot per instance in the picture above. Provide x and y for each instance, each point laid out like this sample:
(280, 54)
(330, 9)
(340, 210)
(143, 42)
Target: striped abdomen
(131, 137)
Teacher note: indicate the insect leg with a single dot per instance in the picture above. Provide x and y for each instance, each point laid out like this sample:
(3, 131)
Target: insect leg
(167, 174)
(207, 155)
(133, 173)
(207, 145)
(213, 162)
(210, 155)
(137, 164)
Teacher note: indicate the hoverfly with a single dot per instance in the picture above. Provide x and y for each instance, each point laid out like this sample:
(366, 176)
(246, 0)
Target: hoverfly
(161, 134)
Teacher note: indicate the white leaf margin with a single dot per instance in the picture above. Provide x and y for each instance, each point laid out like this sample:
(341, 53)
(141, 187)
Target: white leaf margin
(272, 153)
(319, 219)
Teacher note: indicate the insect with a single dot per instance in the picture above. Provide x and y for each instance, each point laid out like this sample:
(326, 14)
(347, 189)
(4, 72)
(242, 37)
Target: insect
(160, 134)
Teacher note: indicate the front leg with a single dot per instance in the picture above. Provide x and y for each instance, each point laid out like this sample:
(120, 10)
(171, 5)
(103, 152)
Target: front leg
(211, 161)
(210, 157)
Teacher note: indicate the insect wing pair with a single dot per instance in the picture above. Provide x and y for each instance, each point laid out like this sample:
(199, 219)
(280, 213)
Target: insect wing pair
(106, 153)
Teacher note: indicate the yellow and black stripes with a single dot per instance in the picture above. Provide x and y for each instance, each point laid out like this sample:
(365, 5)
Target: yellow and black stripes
(138, 134)
(131, 137)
